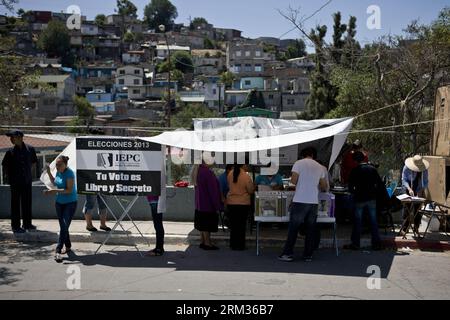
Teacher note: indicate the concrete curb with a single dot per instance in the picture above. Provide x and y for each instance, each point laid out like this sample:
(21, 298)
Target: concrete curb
(173, 239)
(183, 239)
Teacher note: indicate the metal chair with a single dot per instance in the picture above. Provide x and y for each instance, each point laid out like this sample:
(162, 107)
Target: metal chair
(439, 211)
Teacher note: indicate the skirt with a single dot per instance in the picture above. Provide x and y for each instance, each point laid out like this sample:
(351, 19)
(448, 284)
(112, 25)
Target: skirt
(206, 221)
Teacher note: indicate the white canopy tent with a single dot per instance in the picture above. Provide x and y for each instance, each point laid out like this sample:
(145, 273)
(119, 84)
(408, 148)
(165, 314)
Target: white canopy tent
(244, 134)
(248, 134)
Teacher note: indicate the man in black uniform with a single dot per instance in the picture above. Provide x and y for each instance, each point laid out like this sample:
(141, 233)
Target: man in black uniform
(18, 163)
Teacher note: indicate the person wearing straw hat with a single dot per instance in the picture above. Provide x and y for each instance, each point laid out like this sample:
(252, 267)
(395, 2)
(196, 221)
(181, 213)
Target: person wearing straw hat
(415, 182)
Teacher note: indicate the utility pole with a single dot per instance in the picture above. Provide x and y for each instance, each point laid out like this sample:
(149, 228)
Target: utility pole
(162, 28)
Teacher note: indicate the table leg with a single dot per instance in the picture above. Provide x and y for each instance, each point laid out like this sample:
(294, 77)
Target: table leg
(257, 238)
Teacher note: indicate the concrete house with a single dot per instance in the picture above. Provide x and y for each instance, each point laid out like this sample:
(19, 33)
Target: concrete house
(247, 58)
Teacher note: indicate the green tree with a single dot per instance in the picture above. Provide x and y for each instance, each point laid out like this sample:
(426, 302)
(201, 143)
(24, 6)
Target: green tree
(55, 41)
(129, 37)
(296, 50)
(183, 119)
(13, 81)
(338, 32)
(100, 20)
(254, 99)
(322, 97)
(208, 44)
(197, 22)
(183, 61)
(8, 4)
(227, 78)
(85, 115)
(126, 8)
(160, 12)
(351, 47)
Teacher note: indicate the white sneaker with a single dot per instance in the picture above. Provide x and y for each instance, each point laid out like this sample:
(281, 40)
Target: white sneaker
(286, 258)
(58, 258)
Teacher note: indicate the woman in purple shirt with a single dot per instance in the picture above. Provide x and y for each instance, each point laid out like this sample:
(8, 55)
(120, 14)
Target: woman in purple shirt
(207, 204)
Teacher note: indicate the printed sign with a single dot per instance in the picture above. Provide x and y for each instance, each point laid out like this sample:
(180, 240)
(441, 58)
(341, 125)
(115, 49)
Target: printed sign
(118, 166)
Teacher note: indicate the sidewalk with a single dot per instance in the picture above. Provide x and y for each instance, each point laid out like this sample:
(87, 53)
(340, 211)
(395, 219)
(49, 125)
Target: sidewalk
(271, 235)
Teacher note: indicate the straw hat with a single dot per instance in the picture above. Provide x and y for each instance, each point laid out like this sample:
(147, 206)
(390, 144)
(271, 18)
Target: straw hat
(417, 163)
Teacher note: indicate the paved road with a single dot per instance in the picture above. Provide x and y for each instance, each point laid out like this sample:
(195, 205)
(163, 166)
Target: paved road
(186, 272)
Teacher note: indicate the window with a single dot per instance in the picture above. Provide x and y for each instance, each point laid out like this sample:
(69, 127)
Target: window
(291, 101)
(136, 91)
(247, 53)
(257, 53)
(136, 81)
(122, 72)
(237, 68)
(248, 67)
(247, 82)
(99, 97)
(258, 68)
(214, 91)
(121, 81)
(270, 96)
(238, 53)
(137, 71)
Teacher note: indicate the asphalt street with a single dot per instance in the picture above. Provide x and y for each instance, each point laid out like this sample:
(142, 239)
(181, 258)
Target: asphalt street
(28, 271)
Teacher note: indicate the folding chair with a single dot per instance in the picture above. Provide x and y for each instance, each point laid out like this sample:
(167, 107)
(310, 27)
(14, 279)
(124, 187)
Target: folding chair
(438, 210)
(386, 213)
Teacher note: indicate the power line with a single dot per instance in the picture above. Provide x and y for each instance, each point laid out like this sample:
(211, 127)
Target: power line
(307, 18)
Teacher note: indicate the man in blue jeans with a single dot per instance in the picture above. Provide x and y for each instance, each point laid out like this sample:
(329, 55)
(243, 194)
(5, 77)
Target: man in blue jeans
(365, 184)
(308, 177)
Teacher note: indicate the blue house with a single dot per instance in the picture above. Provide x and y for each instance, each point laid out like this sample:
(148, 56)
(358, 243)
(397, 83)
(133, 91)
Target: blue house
(248, 83)
(102, 101)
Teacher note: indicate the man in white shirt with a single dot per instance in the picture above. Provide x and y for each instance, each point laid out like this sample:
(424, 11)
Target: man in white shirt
(308, 176)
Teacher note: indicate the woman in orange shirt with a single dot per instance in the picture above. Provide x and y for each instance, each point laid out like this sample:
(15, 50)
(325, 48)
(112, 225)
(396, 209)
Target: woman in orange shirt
(239, 204)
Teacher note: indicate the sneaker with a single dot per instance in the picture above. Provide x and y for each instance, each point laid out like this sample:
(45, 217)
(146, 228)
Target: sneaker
(307, 259)
(286, 258)
(105, 228)
(30, 228)
(91, 229)
(19, 230)
(58, 258)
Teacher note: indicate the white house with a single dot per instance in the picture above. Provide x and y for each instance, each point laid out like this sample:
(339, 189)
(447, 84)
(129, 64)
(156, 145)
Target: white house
(133, 57)
(162, 52)
(63, 86)
(129, 76)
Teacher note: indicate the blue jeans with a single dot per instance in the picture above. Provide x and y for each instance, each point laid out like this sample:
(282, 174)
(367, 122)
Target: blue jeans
(302, 213)
(65, 214)
(359, 209)
(158, 225)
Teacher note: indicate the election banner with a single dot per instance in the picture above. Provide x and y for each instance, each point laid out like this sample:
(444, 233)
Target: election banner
(118, 166)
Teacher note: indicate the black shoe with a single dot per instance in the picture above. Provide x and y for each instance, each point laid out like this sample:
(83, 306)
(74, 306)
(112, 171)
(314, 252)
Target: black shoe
(107, 229)
(378, 247)
(30, 228)
(211, 247)
(351, 247)
(92, 229)
(19, 230)
(58, 258)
